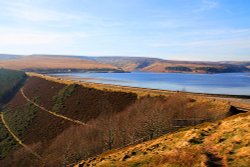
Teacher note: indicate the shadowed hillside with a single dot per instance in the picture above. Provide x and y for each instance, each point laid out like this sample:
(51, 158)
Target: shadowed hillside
(36, 127)
(10, 81)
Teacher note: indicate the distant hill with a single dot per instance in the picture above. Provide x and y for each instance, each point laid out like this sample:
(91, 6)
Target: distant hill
(50, 64)
(195, 67)
(129, 63)
(67, 63)
(160, 65)
(8, 56)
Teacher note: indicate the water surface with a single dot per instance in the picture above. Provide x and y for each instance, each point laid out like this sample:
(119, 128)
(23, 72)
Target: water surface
(226, 83)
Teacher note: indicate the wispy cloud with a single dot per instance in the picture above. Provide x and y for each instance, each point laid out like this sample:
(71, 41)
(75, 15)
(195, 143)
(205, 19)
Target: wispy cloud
(213, 43)
(30, 37)
(208, 37)
(207, 5)
(28, 12)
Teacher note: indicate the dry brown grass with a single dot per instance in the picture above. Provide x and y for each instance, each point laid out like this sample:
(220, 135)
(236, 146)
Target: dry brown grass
(145, 119)
(228, 140)
(187, 156)
(40, 62)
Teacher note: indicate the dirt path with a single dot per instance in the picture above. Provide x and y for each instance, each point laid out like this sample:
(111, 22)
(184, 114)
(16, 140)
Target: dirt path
(50, 112)
(214, 159)
(17, 139)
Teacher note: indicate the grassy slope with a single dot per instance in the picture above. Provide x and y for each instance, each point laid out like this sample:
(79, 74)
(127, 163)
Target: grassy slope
(9, 79)
(33, 125)
(226, 142)
(18, 123)
(7, 143)
(74, 101)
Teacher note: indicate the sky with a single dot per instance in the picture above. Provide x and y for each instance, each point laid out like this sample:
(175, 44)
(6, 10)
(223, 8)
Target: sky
(201, 30)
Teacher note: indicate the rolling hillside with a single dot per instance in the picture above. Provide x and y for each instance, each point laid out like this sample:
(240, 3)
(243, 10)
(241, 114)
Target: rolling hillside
(129, 63)
(160, 65)
(48, 64)
(60, 63)
(54, 124)
(192, 67)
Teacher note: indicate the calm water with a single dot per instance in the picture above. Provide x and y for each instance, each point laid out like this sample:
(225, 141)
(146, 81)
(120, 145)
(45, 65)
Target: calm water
(230, 83)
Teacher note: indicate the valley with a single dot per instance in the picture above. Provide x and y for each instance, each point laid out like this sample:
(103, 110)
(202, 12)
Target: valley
(153, 83)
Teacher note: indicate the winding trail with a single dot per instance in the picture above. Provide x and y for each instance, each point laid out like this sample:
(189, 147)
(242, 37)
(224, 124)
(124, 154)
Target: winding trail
(52, 113)
(17, 139)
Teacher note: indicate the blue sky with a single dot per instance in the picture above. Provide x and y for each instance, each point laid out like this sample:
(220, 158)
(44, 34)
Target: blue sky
(211, 30)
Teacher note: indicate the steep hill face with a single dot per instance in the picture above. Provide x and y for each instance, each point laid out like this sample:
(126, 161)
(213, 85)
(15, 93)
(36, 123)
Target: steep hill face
(76, 101)
(10, 81)
(55, 64)
(59, 107)
(224, 143)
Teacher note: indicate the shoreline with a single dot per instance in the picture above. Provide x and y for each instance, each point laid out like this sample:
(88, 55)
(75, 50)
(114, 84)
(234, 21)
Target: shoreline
(236, 100)
(90, 80)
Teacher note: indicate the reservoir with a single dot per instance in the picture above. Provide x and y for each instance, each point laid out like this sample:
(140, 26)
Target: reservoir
(224, 83)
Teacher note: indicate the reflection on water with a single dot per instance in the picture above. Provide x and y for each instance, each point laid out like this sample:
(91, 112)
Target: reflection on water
(230, 83)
